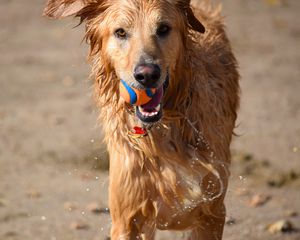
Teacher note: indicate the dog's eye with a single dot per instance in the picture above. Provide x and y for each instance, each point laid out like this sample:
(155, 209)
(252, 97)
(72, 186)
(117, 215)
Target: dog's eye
(120, 33)
(163, 30)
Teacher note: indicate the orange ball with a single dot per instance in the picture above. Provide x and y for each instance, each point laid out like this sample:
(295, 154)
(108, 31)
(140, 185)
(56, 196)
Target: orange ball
(136, 96)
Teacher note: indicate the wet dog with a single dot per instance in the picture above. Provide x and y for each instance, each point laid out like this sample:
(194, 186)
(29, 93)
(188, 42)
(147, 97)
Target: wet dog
(169, 157)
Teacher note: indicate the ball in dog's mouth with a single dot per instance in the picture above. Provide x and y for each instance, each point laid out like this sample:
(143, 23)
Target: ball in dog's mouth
(151, 112)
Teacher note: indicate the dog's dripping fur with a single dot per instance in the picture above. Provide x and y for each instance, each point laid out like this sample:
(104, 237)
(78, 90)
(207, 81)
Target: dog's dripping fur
(202, 97)
(197, 91)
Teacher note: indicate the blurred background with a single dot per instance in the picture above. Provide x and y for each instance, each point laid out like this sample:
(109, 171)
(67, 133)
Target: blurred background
(53, 165)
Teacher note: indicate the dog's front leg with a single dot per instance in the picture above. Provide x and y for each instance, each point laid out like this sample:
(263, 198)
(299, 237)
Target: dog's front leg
(122, 209)
(123, 224)
(129, 205)
(128, 222)
(119, 232)
(133, 228)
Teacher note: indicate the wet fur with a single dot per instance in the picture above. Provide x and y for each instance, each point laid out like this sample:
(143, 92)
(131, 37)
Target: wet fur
(162, 181)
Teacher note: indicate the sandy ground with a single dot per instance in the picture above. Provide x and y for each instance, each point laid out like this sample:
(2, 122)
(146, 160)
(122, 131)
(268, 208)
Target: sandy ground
(51, 156)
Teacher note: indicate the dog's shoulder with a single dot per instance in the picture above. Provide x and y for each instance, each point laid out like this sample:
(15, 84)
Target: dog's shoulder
(213, 46)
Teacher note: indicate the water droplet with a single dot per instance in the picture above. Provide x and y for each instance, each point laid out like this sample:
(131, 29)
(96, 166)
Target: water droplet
(88, 189)
(92, 140)
(43, 218)
(242, 178)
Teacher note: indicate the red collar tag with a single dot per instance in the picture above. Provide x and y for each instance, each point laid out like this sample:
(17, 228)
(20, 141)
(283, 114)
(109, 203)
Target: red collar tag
(137, 132)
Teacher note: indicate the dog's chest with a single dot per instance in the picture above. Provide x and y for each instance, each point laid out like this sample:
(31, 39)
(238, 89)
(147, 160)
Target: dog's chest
(184, 185)
(175, 176)
(176, 199)
(181, 174)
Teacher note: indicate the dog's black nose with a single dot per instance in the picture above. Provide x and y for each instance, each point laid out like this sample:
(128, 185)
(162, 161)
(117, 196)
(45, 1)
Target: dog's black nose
(147, 74)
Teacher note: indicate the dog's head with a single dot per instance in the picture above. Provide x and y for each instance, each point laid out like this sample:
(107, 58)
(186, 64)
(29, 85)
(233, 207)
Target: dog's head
(140, 40)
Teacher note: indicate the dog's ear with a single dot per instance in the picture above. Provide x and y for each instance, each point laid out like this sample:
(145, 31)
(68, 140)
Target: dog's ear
(63, 8)
(192, 20)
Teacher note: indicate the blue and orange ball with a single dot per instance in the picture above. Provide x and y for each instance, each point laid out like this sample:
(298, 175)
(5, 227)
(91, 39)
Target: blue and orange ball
(136, 96)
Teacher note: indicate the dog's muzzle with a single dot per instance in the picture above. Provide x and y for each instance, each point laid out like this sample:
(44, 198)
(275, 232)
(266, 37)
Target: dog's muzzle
(152, 111)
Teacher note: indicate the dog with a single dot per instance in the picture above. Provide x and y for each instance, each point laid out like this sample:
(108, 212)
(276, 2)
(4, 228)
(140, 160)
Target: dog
(169, 158)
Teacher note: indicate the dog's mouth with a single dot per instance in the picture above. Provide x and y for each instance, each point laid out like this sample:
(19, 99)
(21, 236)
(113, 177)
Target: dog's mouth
(151, 112)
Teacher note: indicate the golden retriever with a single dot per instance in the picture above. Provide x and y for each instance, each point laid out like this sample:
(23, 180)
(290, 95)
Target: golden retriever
(168, 159)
